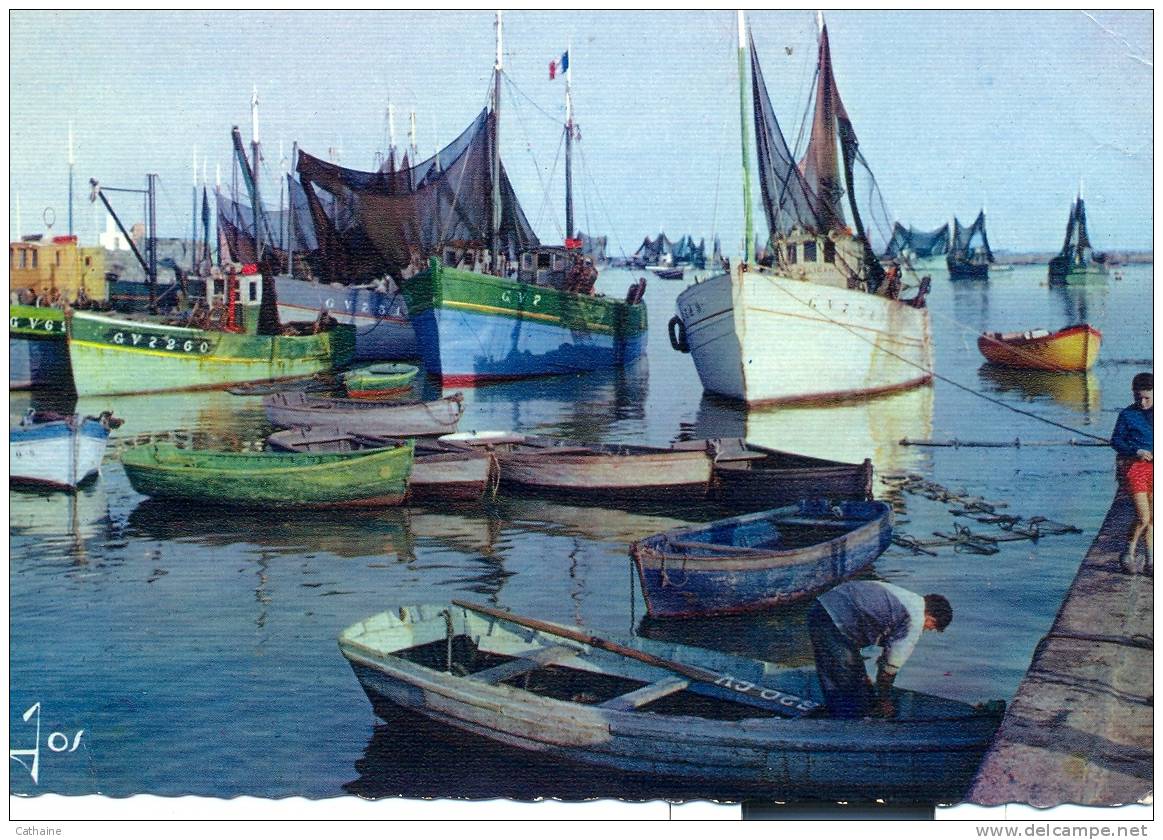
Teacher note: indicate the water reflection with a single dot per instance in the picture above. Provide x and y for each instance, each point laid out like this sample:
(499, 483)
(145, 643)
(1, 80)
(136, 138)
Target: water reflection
(61, 524)
(1081, 304)
(779, 635)
(1079, 392)
(585, 406)
(848, 432)
(592, 523)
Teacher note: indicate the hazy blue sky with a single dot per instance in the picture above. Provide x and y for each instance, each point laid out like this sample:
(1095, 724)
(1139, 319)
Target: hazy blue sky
(953, 109)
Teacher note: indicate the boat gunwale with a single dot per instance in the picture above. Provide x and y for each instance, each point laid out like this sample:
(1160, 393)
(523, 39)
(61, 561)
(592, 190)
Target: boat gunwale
(336, 458)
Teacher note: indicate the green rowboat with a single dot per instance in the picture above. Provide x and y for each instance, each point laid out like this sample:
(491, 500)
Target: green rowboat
(366, 478)
(380, 380)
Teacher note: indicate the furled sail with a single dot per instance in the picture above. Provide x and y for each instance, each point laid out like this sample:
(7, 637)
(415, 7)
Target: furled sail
(384, 221)
(918, 243)
(1076, 247)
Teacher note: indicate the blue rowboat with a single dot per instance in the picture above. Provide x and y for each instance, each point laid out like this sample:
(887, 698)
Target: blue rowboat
(760, 560)
(658, 709)
(56, 451)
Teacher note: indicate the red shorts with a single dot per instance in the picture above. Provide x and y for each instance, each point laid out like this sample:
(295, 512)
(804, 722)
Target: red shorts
(1139, 477)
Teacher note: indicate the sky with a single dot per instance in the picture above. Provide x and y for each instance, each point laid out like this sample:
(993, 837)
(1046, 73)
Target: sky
(955, 111)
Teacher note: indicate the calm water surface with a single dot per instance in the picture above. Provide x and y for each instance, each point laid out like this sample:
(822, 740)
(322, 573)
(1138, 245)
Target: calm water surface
(196, 648)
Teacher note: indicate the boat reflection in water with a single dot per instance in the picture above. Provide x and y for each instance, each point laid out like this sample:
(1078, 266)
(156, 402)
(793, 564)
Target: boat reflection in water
(847, 431)
(61, 525)
(605, 405)
(1077, 391)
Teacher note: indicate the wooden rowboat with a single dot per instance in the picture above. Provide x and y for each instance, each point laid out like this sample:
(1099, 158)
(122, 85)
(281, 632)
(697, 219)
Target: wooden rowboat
(659, 709)
(748, 477)
(586, 471)
(1070, 349)
(760, 560)
(379, 381)
(438, 474)
(57, 451)
(397, 419)
(373, 478)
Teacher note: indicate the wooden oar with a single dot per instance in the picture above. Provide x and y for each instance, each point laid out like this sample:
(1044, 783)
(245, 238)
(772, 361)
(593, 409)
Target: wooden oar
(743, 691)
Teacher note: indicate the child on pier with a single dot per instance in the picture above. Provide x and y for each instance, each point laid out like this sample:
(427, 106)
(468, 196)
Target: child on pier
(1133, 440)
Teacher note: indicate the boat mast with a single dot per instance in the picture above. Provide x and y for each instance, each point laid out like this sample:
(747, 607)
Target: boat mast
(569, 231)
(496, 168)
(291, 211)
(151, 199)
(194, 219)
(748, 236)
(71, 162)
(254, 146)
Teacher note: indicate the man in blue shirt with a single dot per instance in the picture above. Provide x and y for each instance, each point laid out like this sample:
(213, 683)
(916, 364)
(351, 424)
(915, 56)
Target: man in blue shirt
(858, 614)
(1133, 440)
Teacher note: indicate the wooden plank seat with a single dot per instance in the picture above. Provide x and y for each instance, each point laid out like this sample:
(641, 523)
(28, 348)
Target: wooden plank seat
(646, 694)
(524, 664)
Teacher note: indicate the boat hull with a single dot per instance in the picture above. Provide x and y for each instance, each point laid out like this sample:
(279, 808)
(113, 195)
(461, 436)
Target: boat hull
(119, 356)
(1071, 349)
(477, 328)
(1078, 275)
(930, 757)
(665, 473)
(382, 327)
(763, 339)
(681, 581)
(437, 417)
(59, 454)
(38, 352)
(376, 478)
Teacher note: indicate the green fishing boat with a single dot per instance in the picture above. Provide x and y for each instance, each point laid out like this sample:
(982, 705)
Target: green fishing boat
(364, 478)
(378, 381)
(1077, 263)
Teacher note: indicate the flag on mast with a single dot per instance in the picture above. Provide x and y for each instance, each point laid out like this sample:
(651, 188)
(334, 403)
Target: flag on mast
(558, 66)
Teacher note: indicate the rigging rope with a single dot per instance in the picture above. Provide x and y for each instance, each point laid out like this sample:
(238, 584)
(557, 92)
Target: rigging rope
(936, 375)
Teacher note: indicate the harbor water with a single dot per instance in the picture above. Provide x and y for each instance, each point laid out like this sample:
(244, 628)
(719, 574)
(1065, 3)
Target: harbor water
(195, 649)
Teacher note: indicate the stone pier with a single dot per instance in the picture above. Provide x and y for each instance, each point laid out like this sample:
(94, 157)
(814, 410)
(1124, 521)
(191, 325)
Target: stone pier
(1079, 730)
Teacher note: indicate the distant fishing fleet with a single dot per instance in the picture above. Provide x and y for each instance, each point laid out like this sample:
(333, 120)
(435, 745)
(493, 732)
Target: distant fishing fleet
(435, 262)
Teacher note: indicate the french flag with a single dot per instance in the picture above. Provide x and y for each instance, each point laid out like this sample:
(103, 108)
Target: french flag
(559, 66)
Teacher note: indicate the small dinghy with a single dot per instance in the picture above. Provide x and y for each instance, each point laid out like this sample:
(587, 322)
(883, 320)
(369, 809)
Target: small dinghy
(379, 381)
(658, 708)
(586, 471)
(748, 477)
(57, 451)
(759, 560)
(438, 474)
(1069, 349)
(376, 417)
(369, 478)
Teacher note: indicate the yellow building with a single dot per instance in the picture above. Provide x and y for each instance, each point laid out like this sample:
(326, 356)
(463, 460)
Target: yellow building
(56, 269)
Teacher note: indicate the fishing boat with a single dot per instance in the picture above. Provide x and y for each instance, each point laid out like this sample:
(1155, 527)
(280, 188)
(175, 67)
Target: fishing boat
(918, 247)
(379, 381)
(823, 322)
(369, 478)
(377, 417)
(57, 451)
(591, 471)
(667, 273)
(660, 709)
(751, 477)
(1068, 349)
(1077, 263)
(969, 256)
(489, 302)
(232, 337)
(759, 560)
(438, 474)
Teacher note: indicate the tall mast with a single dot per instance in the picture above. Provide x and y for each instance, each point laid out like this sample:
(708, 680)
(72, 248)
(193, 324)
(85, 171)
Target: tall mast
(496, 173)
(194, 219)
(392, 134)
(151, 200)
(254, 147)
(569, 231)
(412, 137)
(748, 236)
(71, 162)
(291, 212)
